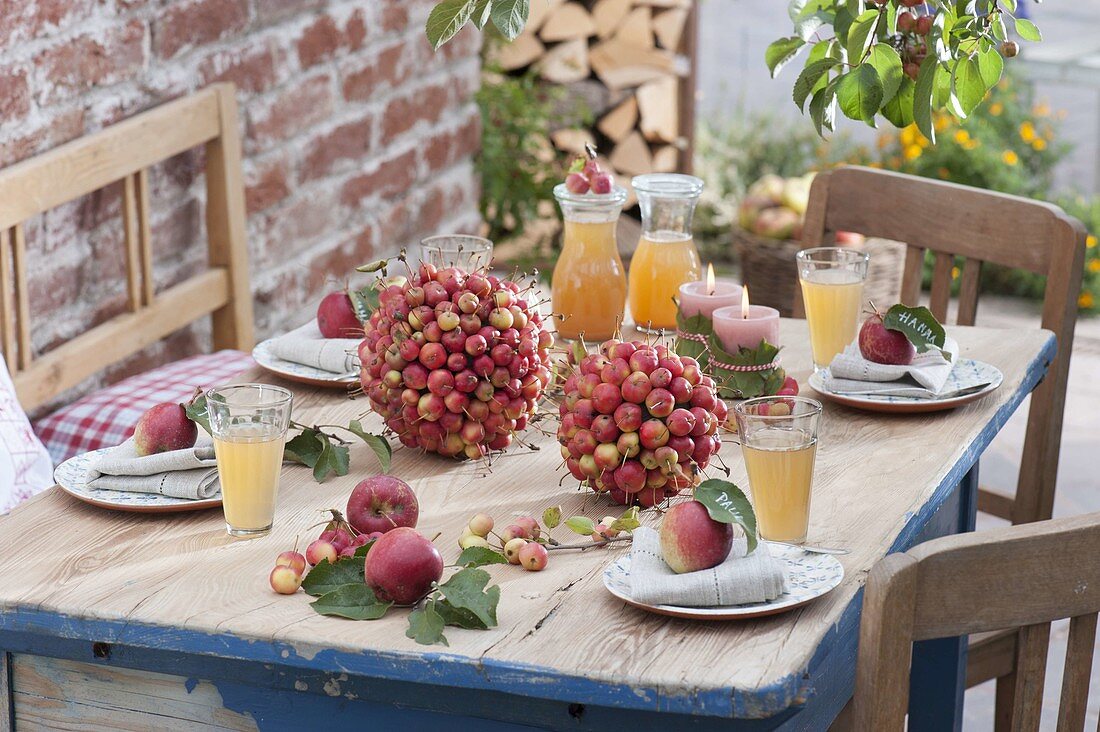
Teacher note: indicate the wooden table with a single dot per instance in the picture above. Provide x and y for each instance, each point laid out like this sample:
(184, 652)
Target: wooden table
(139, 622)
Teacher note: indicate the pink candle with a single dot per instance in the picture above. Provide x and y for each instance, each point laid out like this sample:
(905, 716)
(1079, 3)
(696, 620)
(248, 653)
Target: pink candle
(702, 298)
(745, 325)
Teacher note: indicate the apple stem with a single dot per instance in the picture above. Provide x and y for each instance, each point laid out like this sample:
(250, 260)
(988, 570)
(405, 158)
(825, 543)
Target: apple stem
(592, 545)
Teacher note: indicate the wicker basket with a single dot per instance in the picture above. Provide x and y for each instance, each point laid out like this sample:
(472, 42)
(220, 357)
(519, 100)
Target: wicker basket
(768, 268)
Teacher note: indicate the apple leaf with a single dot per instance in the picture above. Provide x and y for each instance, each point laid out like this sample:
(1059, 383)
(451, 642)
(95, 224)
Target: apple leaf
(364, 302)
(459, 617)
(581, 525)
(333, 459)
(510, 16)
(551, 517)
(352, 601)
(478, 556)
(426, 626)
(446, 19)
(628, 521)
(197, 412)
(327, 577)
(919, 325)
(465, 590)
(779, 53)
(728, 504)
(380, 445)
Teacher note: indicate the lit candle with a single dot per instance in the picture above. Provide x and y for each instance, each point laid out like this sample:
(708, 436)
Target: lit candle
(703, 298)
(745, 325)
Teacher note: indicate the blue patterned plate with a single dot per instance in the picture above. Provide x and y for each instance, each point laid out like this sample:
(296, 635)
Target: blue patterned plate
(299, 372)
(967, 373)
(69, 475)
(809, 576)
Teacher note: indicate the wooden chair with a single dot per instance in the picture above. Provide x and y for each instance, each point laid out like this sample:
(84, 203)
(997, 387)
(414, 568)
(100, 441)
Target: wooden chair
(1023, 576)
(979, 226)
(123, 152)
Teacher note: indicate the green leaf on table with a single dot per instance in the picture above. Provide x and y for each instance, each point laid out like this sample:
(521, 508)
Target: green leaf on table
(352, 601)
(327, 577)
(887, 63)
(780, 53)
(479, 556)
(581, 525)
(859, 93)
(628, 521)
(812, 78)
(922, 96)
(509, 16)
(728, 504)
(426, 626)
(919, 325)
(899, 110)
(551, 517)
(364, 302)
(304, 448)
(447, 19)
(381, 447)
(465, 590)
(333, 459)
(1027, 30)
(860, 34)
(196, 411)
(459, 617)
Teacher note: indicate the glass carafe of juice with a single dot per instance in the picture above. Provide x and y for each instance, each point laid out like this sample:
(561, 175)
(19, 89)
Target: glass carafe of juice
(666, 256)
(588, 289)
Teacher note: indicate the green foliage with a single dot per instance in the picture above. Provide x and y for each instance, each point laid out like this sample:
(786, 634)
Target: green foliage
(450, 16)
(954, 63)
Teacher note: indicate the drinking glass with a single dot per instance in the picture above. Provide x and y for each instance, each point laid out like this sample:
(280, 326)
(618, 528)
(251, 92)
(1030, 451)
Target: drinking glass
(666, 256)
(457, 250)
(249, 423)
(588, 289)
(779, 442)
(832, 292)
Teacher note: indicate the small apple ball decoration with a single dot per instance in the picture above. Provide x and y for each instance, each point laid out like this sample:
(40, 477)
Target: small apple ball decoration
(455, 362)
(691, 540)
(336, 316)
(381, 503)
(638, 421)
(402, 566)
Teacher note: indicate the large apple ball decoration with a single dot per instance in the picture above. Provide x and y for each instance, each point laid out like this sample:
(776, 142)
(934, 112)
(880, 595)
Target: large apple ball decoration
(455, 362)
(638, 421)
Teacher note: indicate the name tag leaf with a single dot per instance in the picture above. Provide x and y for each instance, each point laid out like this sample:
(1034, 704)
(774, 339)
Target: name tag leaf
(919, 325)
(728, 504)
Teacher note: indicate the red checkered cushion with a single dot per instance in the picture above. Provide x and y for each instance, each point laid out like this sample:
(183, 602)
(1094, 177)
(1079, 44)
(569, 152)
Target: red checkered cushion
(107, 417)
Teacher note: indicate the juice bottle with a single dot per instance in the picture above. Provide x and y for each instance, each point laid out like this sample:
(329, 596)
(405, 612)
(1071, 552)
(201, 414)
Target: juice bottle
(666, 256)
(588, 289)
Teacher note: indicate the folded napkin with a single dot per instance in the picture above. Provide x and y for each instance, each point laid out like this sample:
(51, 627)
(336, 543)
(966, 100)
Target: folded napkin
(925, 377)
(740, 579)
(306, 346)
(190, 473)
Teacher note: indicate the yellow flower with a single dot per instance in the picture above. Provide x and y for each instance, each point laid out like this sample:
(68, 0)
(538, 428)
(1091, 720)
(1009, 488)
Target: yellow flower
(1040, 144)
(962, 137)
(1090, 241)
(942, 120)
(1010, 157)
(1094, 265)
(1041, 110)
(909, 135)
(996, 109)
(912, 152)
(954, 273)
(1027, 131)
(1085, 300)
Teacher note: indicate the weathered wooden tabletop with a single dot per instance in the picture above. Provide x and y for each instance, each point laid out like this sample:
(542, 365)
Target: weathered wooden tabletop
(178, 582)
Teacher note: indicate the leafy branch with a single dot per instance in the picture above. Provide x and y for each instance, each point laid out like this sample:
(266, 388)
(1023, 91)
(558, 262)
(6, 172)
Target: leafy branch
(450, 16)
(328, 452)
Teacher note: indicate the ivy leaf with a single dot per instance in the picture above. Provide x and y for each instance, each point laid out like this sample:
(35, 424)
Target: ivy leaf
(465, 590)
(327, 577)
(352, 601)
(859, 93)
(887, 63)
(581, 525)
(479, 556)
(551, 517)
(922, 96)
(198, 413)
(899, 110)
(426, 626)
(381, 447)
(780, 52)
(304, 448)
(919, 325)
(509, 16)
(1028, 30)
(728, 504)
(813, 77)
(447, 19)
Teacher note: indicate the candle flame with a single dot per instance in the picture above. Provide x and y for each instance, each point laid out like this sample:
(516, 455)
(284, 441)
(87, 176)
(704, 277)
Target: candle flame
(745, 302)
(710, 279)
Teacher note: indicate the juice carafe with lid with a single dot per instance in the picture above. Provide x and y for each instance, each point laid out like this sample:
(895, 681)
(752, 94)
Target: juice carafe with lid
(666, 256)
(588, 289)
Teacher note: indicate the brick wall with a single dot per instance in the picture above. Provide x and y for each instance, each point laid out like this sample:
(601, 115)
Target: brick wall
(357, 141)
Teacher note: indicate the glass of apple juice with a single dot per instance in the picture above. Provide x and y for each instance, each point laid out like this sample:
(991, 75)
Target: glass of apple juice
(832, 293)
(779, 442)
(249, 424)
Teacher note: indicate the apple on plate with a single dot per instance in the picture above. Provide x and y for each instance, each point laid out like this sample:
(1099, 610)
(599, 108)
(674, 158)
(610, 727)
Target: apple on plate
(164, 428)
(880, 344)
(336, 317)
(402, 566)
(381, 503)
(691, 540)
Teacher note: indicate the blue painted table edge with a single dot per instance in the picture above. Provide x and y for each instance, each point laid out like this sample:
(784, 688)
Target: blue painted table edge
(779, 700)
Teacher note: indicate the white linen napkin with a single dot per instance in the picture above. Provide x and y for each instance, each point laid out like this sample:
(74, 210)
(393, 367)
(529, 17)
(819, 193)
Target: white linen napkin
(925, 377)
(740, 579)
(306, 346)
(190, 473)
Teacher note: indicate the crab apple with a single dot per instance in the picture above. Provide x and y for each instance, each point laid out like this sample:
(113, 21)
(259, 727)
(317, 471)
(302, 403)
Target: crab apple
(530, 525)
(619, 496)
(644, 359)
(285, 580)
(588, 466)
(629, 444)
(512, 549)
(607, 397)
(604, 428)
(514, 531)
(402, 566)
(481, 524)
(441, 382)
(683, 445)
(320, 550)
(660, 378)
(648, 459)
(630, 476)
(680, 389)
(586, 442)
(649, 497)
(653, 433)
(660, 403)
(636, 387)
(573, 466)
(628, 417)
(533, 557)
(721, 411)
(294, 560)
(703, 397)
(381, 503)
(673, 363)
(473, 540)
(607, 456)
(681, 422)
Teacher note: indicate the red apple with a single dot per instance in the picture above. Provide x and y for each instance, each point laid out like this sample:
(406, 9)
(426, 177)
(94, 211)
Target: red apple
(381, 503)
(402, 566)
(691, 540)
(336, 318)
(881, 345)
(163, 428)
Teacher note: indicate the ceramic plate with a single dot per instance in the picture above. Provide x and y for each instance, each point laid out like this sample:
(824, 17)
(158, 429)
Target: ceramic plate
(809, 576)
(70, 476)
(297, 372)
(966, 372)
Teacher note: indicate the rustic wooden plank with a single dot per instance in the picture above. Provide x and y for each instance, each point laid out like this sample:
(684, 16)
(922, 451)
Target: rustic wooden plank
(8, 322)
(22, 303)
(7, 699)
(968, 292)
(869, 486)
(941, 285)
(131, 226)
(145, 237)
(1075, 675)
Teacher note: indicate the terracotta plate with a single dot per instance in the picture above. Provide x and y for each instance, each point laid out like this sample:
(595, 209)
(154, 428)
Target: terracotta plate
(966, 373)
(297, 372)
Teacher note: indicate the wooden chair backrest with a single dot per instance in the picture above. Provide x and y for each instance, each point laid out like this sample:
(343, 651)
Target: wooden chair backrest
(123, 152)
(1022, 576)
(954, 221)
